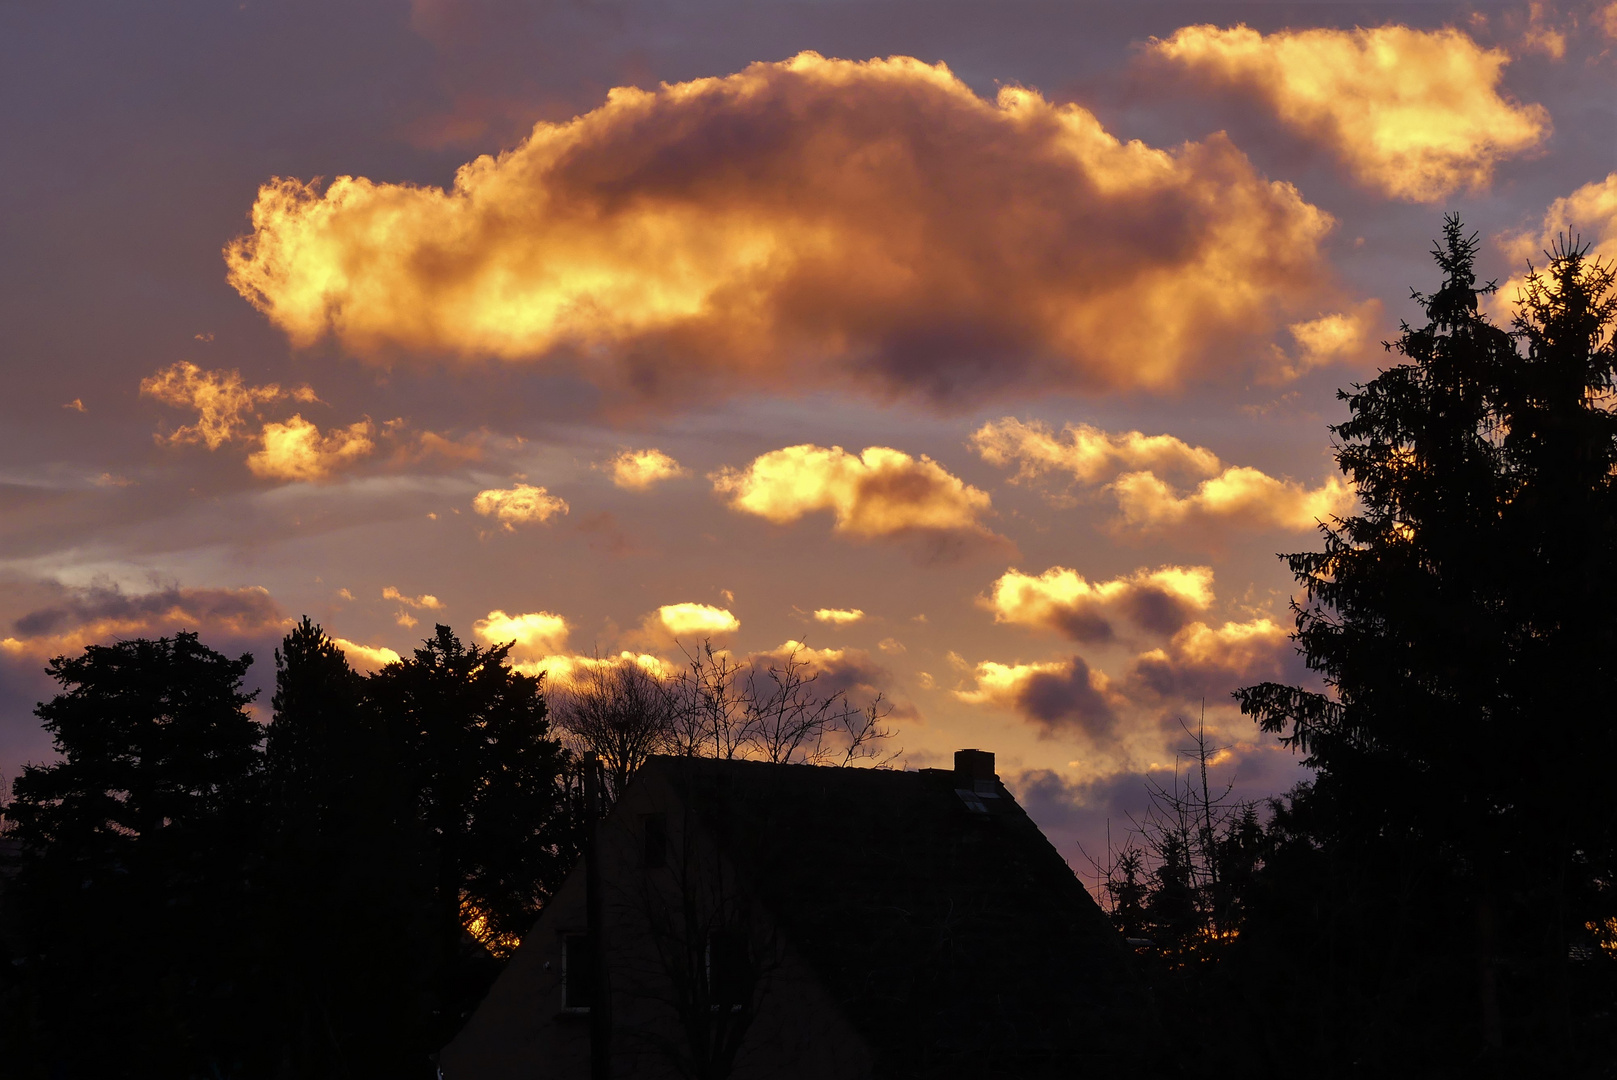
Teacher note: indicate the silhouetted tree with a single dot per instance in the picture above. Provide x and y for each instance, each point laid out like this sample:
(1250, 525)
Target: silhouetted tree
(345, 894)
(136, 858)
(1462, 623)
(487, 783)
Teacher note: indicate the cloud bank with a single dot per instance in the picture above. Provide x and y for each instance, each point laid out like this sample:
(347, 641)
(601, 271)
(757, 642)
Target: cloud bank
(813, 222)
(1207, 497)
(1414, 114)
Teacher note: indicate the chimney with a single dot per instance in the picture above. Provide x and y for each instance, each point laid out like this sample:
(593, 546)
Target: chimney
(974, 771)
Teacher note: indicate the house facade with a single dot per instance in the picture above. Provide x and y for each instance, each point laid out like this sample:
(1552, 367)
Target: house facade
(795, 921)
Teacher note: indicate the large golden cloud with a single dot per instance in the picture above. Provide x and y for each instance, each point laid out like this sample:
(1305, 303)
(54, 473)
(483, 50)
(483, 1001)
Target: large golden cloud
(1416, 114)
(873, 224)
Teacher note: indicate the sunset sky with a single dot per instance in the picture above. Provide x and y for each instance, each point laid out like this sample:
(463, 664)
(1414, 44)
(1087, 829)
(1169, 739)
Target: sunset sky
(987, 349)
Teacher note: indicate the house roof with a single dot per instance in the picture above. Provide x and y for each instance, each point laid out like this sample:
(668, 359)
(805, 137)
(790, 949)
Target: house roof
(950, 930)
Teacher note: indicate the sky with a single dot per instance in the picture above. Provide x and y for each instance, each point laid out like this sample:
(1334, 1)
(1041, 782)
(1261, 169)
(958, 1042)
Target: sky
(982, 352)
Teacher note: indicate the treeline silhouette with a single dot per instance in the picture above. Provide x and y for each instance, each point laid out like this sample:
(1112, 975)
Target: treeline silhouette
(329, 894)
(1441, 898)
(202, 896)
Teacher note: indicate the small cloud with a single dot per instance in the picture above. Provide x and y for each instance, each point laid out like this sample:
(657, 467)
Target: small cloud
(108, 479)
(641, 470)
(204, 338)
(522, 504)
(405, 619)
(77, 405)
(1060, 696)
(366, 657)
(878, 493)
(344, 594)
(696, 619)
(296, 451)
(891, 645)
(839, 616)
(1159, 601)
(425, 601)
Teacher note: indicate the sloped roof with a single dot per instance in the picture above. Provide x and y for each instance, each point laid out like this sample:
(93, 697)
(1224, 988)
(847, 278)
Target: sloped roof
(957, 940)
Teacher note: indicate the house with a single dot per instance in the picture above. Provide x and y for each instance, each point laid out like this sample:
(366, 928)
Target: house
(810, 922)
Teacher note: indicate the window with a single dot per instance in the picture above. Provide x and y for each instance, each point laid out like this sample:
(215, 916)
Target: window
(577, 972)
(654, 829)
(729, 970)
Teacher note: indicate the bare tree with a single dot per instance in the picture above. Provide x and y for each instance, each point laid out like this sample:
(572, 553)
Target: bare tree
(1178, 876)
(622, 712)
(773, 710)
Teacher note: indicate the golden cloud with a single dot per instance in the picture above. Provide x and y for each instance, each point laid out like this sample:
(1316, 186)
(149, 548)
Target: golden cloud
(703, 619)
(1058, 696)
(425, 600)
(296, 451)
(567, 670)
(1238, 497)
(640, 470)
(1588, 214)
(1126, 466)
(870, 224)
(532, 632)
(1160, 600)
(366, 657)
(225, 405)
(1203, 660)
(1414, 114)
(879, 492)
(518, 505)
(1343, 337)
(1090, 455)
(839, 616)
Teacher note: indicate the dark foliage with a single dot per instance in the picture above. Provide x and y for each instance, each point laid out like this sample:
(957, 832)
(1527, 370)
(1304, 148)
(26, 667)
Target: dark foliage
(200, 896)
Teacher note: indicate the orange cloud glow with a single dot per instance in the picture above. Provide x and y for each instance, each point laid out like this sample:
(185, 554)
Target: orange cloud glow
(366, 657)
(873, 224)
(225, 405)
(1058, 696)
(1588, 214)
(521, 504)
(1126, 467)
(296, 451)
(532, 632)
(1240, 497)
(641, 470)
(696, 619)
(839, 616)
(1415, 114)
(1090, 455)
(1061, 600)
(1203, 660)
(879, 492)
